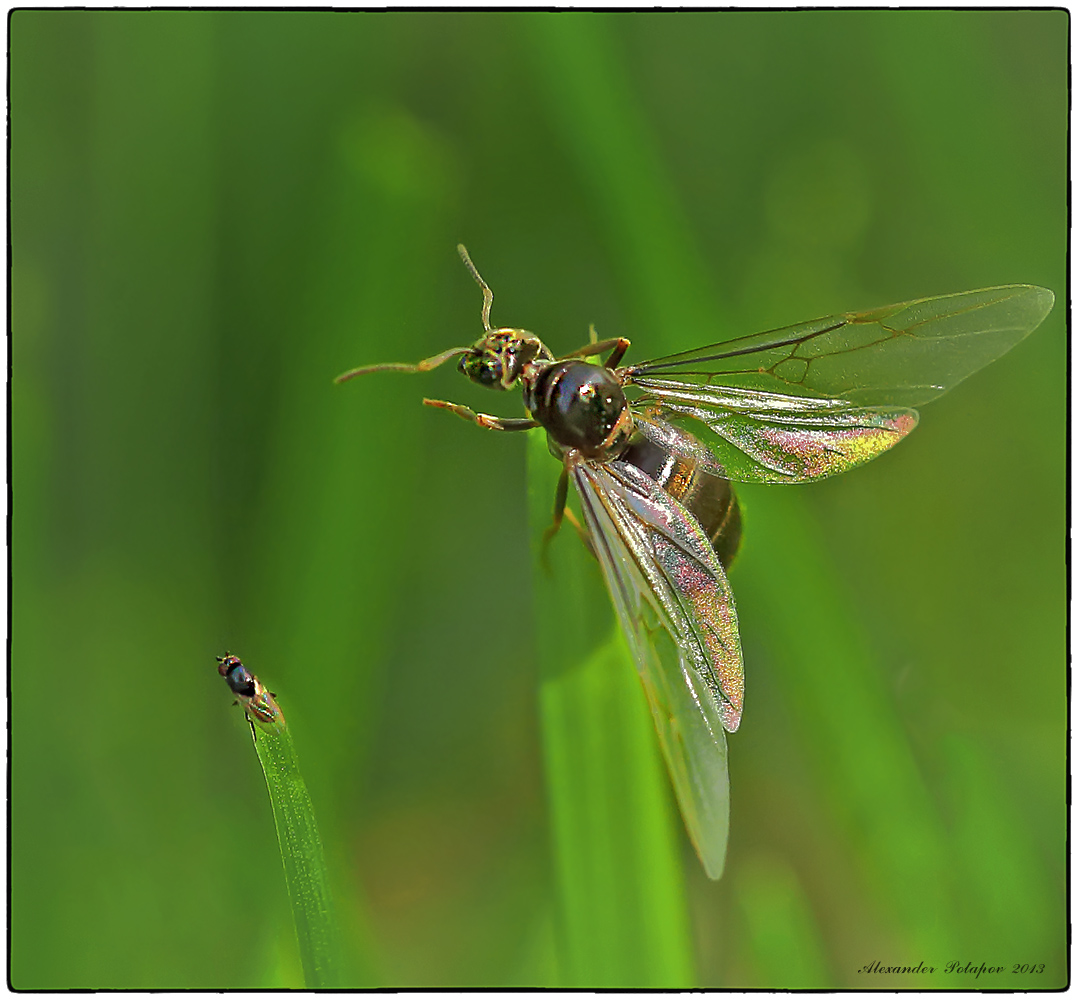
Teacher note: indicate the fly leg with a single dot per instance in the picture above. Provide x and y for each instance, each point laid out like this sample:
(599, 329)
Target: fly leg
(483, 419)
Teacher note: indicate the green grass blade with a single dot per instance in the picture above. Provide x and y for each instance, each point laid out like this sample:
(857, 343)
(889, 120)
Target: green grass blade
(305, 873)
(622, 920)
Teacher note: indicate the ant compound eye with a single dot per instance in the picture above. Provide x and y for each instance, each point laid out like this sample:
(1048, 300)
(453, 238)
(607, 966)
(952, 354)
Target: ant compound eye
(484, 369)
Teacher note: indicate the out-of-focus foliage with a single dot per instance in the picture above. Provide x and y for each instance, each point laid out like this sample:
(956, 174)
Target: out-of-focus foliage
(212, 214)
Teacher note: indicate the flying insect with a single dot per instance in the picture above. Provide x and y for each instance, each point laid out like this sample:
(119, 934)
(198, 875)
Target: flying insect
(653, 470)
(259, 704)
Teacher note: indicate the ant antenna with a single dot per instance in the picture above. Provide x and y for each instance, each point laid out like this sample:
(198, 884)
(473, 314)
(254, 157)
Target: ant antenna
(439, 359)
(488, 295)
(426, 365)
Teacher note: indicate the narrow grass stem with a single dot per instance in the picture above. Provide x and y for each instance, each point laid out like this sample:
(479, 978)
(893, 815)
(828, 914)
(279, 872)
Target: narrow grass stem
(305, 872)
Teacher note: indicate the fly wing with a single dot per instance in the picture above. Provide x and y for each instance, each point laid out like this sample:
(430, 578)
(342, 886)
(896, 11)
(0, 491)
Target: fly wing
(901, 355)
(677, 611)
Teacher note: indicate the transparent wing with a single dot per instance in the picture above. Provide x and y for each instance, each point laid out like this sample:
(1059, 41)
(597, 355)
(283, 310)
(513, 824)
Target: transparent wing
(677, 611)
(789, 405)
(765, 437)
(896, 356)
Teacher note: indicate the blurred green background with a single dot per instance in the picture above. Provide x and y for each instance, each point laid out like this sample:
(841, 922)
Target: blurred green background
(214, 213)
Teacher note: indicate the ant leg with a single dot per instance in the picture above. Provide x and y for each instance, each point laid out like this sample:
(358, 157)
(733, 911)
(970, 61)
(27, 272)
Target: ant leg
(618, 346)
(561, 495)
(483, 419)
(617, 353)
(580, 530)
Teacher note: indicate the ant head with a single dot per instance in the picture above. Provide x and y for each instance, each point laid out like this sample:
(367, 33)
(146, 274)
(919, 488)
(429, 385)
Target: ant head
(500, 358)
